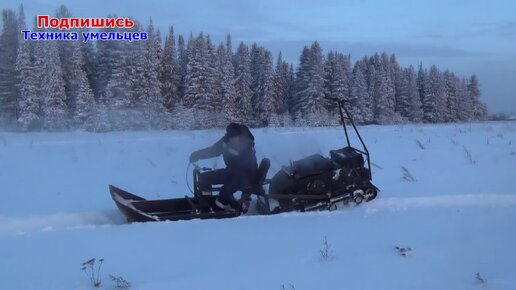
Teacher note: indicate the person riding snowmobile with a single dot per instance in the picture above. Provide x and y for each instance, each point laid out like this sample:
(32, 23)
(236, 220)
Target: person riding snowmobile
(237, 150)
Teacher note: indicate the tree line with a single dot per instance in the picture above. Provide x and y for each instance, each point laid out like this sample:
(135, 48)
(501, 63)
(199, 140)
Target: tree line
(178, 83)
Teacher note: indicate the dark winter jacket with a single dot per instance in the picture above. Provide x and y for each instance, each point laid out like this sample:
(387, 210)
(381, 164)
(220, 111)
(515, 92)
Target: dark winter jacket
(241, 158)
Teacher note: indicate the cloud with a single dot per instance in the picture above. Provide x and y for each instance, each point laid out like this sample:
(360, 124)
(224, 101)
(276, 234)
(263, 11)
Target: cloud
(292, 48)
(485, 29)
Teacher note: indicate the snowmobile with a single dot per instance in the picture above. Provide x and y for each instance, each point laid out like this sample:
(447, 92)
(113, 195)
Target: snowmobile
(312, 183)
(138, 209)
(317, 182)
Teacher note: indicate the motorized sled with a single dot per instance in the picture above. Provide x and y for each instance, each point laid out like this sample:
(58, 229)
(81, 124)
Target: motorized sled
(317, 182)
(313, 183)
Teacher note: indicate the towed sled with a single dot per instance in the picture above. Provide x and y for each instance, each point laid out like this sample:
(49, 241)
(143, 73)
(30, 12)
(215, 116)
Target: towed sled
(312, 183)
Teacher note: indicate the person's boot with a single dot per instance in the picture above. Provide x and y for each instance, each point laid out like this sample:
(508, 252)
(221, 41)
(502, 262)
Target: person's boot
(235, 205)
(245, 202)
(219, 206)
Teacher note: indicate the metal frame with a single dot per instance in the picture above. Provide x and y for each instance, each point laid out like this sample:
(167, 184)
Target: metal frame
(342, 110)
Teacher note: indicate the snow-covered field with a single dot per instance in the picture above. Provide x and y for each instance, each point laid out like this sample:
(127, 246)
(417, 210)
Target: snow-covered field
(458, 216)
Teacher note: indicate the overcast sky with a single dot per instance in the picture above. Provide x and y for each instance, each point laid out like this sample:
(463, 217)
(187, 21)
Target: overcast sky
(465, 36)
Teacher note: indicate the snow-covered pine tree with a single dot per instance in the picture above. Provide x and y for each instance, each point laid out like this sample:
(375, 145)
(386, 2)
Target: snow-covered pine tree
(465, 111)
(120, 98)
(269, 102)
(427, 101)
(182, 62)
(282, 83)
(256, 68)
(361, 107)
(243, 83)
(202, 91)
(227, 84)
(329, 72)
(150, 98)
(336, 79)
(195, 73)
(415, 113)
(169, 72)
(29, 107)
(370, 76)
(77, 85)
(301, 84)
(479, 110)
(213, 82)
(66, 51)
(309, 97)
(450, 91)
(80, 90)
(55, 112)
(384, 93)
(442, 102)
(264, 101)
(402, 98)
(314, 98)
(107, 59)
(229, 48)
(291, 90)
(434, 97)
(89, 54)
(421, 81)
(8, 52)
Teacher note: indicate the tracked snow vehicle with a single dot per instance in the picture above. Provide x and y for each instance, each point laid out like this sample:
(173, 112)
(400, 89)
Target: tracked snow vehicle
(318, 182)
(313, 183)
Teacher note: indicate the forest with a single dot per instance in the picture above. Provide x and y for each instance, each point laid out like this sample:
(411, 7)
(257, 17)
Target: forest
(190, 82)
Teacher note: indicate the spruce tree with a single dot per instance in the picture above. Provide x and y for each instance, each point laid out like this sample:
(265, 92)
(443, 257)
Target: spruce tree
(314, 98)
(434, 98)
(415, 113)
(150, 97)
(281, 84)
(169, 73)
(336, 80)
(401, 88)
(8, 52)
(243, 81)
(227, 84)
(256, 69)
(182, 62)
(120, 98)
(384, 92)
(465, 112)
(479, 111)
(55, 111)
(107, 59)
(301, 84)
(29, 104)
(80, 90)
(360, 103)
(270, 103)
(450, 90)
(309, 96)
(67, 49)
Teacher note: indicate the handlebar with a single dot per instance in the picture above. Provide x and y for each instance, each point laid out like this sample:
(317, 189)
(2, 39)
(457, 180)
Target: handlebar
(197, 167)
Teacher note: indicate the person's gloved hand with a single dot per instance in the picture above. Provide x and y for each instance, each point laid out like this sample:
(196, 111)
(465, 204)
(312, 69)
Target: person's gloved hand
(194, 157)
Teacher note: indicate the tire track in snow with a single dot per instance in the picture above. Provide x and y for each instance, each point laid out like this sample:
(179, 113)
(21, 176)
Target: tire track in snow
(460, 200)
(58, 221)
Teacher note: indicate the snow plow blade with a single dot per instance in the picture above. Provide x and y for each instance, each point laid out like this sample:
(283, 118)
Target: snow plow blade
(138, 209)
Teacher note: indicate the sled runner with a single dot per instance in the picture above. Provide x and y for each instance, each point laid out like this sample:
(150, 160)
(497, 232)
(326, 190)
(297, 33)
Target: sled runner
(312, 183)
(138, 209)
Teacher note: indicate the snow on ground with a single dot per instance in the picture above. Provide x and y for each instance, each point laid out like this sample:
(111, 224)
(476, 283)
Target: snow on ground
(457, 216)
